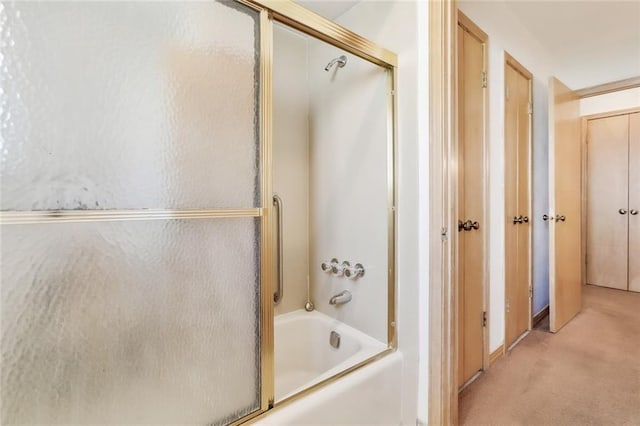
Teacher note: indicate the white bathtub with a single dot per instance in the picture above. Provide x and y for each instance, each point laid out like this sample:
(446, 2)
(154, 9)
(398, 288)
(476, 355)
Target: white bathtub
(370, 395)
(304, 356)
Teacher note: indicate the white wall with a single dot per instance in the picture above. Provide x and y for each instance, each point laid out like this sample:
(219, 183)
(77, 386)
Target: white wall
(402, 27)
(291, 160)
(506, 33)
(624, 99)
(348, 186)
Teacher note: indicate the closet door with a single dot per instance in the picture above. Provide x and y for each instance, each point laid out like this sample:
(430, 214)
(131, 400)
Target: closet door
(607, 201)
(634, 202)
(511, 206)
(470, 204)
(524, 292)
(517, 190)
(565, 200)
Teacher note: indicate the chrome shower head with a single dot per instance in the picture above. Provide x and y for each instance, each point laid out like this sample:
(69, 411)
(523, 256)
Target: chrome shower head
(341, 61)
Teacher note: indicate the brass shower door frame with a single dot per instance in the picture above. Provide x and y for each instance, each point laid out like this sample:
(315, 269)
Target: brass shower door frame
(295, 16)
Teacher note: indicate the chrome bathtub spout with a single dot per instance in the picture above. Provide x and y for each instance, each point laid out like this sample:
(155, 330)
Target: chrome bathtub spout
(340, 298)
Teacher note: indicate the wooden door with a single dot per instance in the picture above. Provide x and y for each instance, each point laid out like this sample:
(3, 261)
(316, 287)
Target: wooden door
(634, 202)
(565, 188)
(522, 300)
(470, 204)
(517, 201)
(608, 201)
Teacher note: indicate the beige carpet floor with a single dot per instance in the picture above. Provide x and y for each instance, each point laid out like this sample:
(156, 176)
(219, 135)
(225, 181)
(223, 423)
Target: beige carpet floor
(586, 374)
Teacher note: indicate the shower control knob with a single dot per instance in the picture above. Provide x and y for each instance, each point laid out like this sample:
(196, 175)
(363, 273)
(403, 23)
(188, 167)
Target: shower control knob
(330, 266)
(354, 272)
(339, 269)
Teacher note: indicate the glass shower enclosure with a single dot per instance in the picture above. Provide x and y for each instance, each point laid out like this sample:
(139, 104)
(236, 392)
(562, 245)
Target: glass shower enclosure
(136, 241)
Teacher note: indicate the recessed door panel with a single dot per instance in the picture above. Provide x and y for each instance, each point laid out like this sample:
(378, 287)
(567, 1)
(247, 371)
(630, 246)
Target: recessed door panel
(460, 269)
(608, 201)
(471, 178)
(511, 203)
(634, 202)
(517, 203)
(522, 294)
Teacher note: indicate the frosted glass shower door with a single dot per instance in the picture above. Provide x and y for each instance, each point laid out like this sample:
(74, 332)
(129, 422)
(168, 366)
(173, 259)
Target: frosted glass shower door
(130, 244)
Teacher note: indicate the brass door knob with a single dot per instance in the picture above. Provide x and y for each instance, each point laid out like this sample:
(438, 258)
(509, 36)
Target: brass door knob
(560, 218)
(622, 211)
(525, 219)
(517, 219)
(633, 212)
(469, 225)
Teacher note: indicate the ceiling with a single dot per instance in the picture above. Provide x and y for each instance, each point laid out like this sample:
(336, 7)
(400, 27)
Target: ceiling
(590, 42)
(330, 9)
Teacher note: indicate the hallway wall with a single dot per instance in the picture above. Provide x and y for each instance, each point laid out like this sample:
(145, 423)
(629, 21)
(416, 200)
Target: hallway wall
(506, 33)
(624, 99)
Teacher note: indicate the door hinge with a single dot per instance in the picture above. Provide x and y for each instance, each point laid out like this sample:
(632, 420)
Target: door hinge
(444, 234)
(530, 106)
(484, 318)
(530, 292)
(484, 79)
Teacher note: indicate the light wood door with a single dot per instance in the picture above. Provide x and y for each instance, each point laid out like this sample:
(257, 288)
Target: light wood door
(511, 200)
(634, 202)
(517, 203)
(608, 201)
(470, 204)
(523, 292)
(565, 188)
